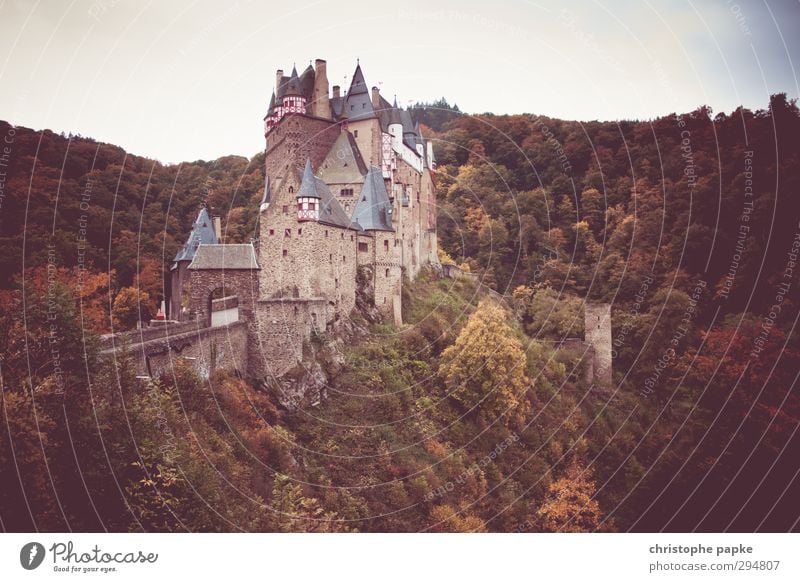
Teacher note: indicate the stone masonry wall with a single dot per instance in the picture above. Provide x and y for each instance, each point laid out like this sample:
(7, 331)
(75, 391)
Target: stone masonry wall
(284, 326)
(242, 283)
(305, 260)
(206, 349)
(388, 274)
(598, 335)
(296, 138)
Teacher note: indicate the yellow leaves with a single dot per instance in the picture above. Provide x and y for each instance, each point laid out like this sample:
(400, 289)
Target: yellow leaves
(476, 219)
(569, 505)
(449, 519)
(485, 368)
(130, 305)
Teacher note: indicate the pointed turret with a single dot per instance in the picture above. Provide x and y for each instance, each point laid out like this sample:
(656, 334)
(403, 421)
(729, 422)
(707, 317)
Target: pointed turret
(308, 198)
(358, 85)
(293, 87)
(373, 210)
(358, 103)
(202, 233)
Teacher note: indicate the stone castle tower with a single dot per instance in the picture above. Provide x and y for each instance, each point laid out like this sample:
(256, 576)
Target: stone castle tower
(348, 209)
(597, 320)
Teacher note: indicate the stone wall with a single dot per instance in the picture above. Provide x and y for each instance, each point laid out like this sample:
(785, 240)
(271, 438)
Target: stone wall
(206, 349)
(295, 138)
(241, 283)
(305, 260)
(388, 275)
(284, 326)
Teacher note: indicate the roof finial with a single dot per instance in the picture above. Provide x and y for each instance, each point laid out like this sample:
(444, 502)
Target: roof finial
(358, 61)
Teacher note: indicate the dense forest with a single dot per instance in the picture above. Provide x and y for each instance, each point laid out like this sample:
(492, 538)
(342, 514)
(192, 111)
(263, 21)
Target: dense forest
(688, 225)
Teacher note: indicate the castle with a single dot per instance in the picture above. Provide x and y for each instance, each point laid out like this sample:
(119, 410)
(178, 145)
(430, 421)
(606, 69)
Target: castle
(348, 210)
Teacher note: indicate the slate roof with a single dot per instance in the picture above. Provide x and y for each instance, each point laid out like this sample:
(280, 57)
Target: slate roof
(265, 199)
(309, 183)
(271, 107)
(373, 209)
(214, 256)
(330, 211)
(293, 87)
(337, 106)
(343, 164)
(307, 82)
(358, 84)
(358, 103)
(202, 233)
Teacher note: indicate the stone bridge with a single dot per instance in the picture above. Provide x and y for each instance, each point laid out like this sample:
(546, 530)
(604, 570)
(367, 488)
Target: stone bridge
(158, 348)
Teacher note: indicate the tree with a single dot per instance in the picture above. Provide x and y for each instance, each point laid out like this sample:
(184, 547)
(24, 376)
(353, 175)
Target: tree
(570, 505)
(485, 368)
(294, 512)
(447, 519)
(130, 306)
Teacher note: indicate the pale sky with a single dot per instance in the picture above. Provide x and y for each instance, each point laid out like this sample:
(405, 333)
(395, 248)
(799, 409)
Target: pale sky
(180, 81)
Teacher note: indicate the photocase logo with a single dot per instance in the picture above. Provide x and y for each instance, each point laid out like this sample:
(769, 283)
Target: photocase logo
(31, 555)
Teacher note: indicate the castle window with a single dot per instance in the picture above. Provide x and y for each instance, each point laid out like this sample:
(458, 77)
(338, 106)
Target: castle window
(363, 247)
(386, 245)
(326, 234)
(336, 282)
(271, 232)
(342, 236)
(291, 189)
(344, 259)
(285, 210)
(330, 258)
(352, 107)
(287, 233)
(346, 192)
(351, 237)
(387, 272)
(299, 231)
(285, 253)
(355, 133)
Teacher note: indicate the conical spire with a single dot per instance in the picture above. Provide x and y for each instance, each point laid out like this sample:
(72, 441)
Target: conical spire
(308, 184)
(293, 86)
(394, 114)
(271, 107)
(358, 85)
(202, 233)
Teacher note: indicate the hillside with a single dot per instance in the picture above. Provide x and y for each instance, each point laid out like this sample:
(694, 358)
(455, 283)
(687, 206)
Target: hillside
(688, 224)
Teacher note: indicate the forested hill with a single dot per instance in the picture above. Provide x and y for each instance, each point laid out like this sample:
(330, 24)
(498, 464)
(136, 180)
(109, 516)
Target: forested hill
(688, 225)
(594, 207)
(128, 214)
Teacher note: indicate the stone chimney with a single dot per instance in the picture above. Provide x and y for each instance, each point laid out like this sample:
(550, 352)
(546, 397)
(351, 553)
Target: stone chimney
(320, 105)
(278, 77)
(376, 98)
(336, 94)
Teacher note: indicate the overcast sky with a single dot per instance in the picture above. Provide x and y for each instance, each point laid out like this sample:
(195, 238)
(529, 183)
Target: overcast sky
(180, 81)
